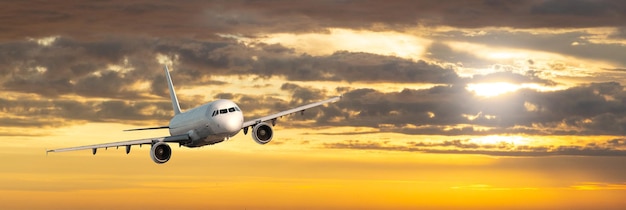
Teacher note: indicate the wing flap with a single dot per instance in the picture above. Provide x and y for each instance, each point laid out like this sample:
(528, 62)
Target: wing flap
(290, 111)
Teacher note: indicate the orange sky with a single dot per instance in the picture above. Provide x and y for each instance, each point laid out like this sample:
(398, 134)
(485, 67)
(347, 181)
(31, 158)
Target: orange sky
(454, 105)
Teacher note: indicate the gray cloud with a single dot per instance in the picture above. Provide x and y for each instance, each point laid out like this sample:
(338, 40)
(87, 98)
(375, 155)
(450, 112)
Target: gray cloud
(575, 8)
(349, 66)
(302, 95)
(511, 77)
(561, 43)
(445, 109)
(71, 66)
(594, 109)
(201, 19)
(444, 53)
(56, 113)
(78, 62)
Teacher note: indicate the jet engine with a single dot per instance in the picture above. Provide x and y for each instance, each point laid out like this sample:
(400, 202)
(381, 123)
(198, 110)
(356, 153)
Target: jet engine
(160, 152)
(262, 133)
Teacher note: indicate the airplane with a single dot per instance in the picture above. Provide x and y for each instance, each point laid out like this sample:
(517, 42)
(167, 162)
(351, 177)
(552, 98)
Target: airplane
(208, 124)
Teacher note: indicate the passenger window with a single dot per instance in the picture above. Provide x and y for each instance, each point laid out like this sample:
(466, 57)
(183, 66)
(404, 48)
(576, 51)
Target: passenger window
(231, 109)
(223, 111)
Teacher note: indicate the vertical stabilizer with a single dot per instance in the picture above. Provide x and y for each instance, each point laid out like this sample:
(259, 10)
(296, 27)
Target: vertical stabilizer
(175, 104)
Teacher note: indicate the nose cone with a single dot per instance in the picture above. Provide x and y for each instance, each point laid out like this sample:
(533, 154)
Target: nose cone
(233, 123)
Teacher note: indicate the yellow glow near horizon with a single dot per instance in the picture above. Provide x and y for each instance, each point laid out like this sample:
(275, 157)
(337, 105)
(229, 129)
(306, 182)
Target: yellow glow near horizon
(497, 139)
(294, 168)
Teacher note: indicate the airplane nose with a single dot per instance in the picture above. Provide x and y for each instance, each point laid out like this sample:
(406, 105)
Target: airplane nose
(233, 124)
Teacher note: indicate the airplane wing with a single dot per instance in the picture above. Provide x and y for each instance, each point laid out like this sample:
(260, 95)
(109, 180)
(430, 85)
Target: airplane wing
(127, 144)
(283, 113)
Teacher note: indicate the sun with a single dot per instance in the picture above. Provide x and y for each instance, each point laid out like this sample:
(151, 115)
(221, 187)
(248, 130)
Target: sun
(492, 89)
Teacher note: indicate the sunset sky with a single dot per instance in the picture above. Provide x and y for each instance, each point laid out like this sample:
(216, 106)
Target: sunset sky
(475, 104)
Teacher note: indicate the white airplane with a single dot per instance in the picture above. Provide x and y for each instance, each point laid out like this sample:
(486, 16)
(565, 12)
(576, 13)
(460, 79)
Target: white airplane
(208, 124)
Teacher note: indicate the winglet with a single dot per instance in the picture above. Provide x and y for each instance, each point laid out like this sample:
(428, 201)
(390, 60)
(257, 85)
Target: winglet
(175, 104)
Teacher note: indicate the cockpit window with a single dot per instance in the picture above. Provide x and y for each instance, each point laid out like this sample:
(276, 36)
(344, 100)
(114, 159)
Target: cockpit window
(224, 111)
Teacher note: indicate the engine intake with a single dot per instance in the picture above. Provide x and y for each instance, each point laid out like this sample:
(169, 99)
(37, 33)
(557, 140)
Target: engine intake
(160, 152)
(262, 133)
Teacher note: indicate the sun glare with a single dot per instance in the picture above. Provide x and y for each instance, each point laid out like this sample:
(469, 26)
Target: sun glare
(493, 89)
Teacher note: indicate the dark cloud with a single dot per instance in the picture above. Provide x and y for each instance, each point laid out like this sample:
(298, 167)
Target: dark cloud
(84, 68)
(350, 66)
(594, 109)
(70, 66)
(475, 13)
(558, 42)
(444, 53)
(575, 8)
(101, 18)
(79, 67)
(202, 19)
(498, 149)
(511, 77)
(90, 39)
(56, 113)
(302, 95)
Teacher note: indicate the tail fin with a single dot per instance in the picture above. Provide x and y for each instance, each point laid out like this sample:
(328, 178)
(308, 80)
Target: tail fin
(175, 104)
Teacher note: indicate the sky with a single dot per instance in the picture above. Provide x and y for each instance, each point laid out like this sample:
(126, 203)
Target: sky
(477, 104)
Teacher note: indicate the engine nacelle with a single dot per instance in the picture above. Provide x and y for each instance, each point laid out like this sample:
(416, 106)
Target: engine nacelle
(262, 133)
(160, 152)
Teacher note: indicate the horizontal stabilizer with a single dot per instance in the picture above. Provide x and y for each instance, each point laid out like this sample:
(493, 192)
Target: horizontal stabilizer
(151, 128)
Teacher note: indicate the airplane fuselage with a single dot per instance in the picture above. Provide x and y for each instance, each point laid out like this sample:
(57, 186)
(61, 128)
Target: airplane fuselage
(208, 124)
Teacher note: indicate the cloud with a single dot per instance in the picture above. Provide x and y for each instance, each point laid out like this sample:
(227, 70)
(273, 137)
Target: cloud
(599, 186)
(352, 66)
(55, 113)
(70, 66)
(315, 15)
(442, 52)
(593, 109)
(123, 68)
(76, 54)
(497, 149)
(620, 33)
(511, 77)
(127, 70)
(302, 95)
(574, 8)
(599, 44)
(199, 19)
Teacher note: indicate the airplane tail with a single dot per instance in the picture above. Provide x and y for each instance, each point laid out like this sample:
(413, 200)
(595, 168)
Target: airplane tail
(175, 104)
